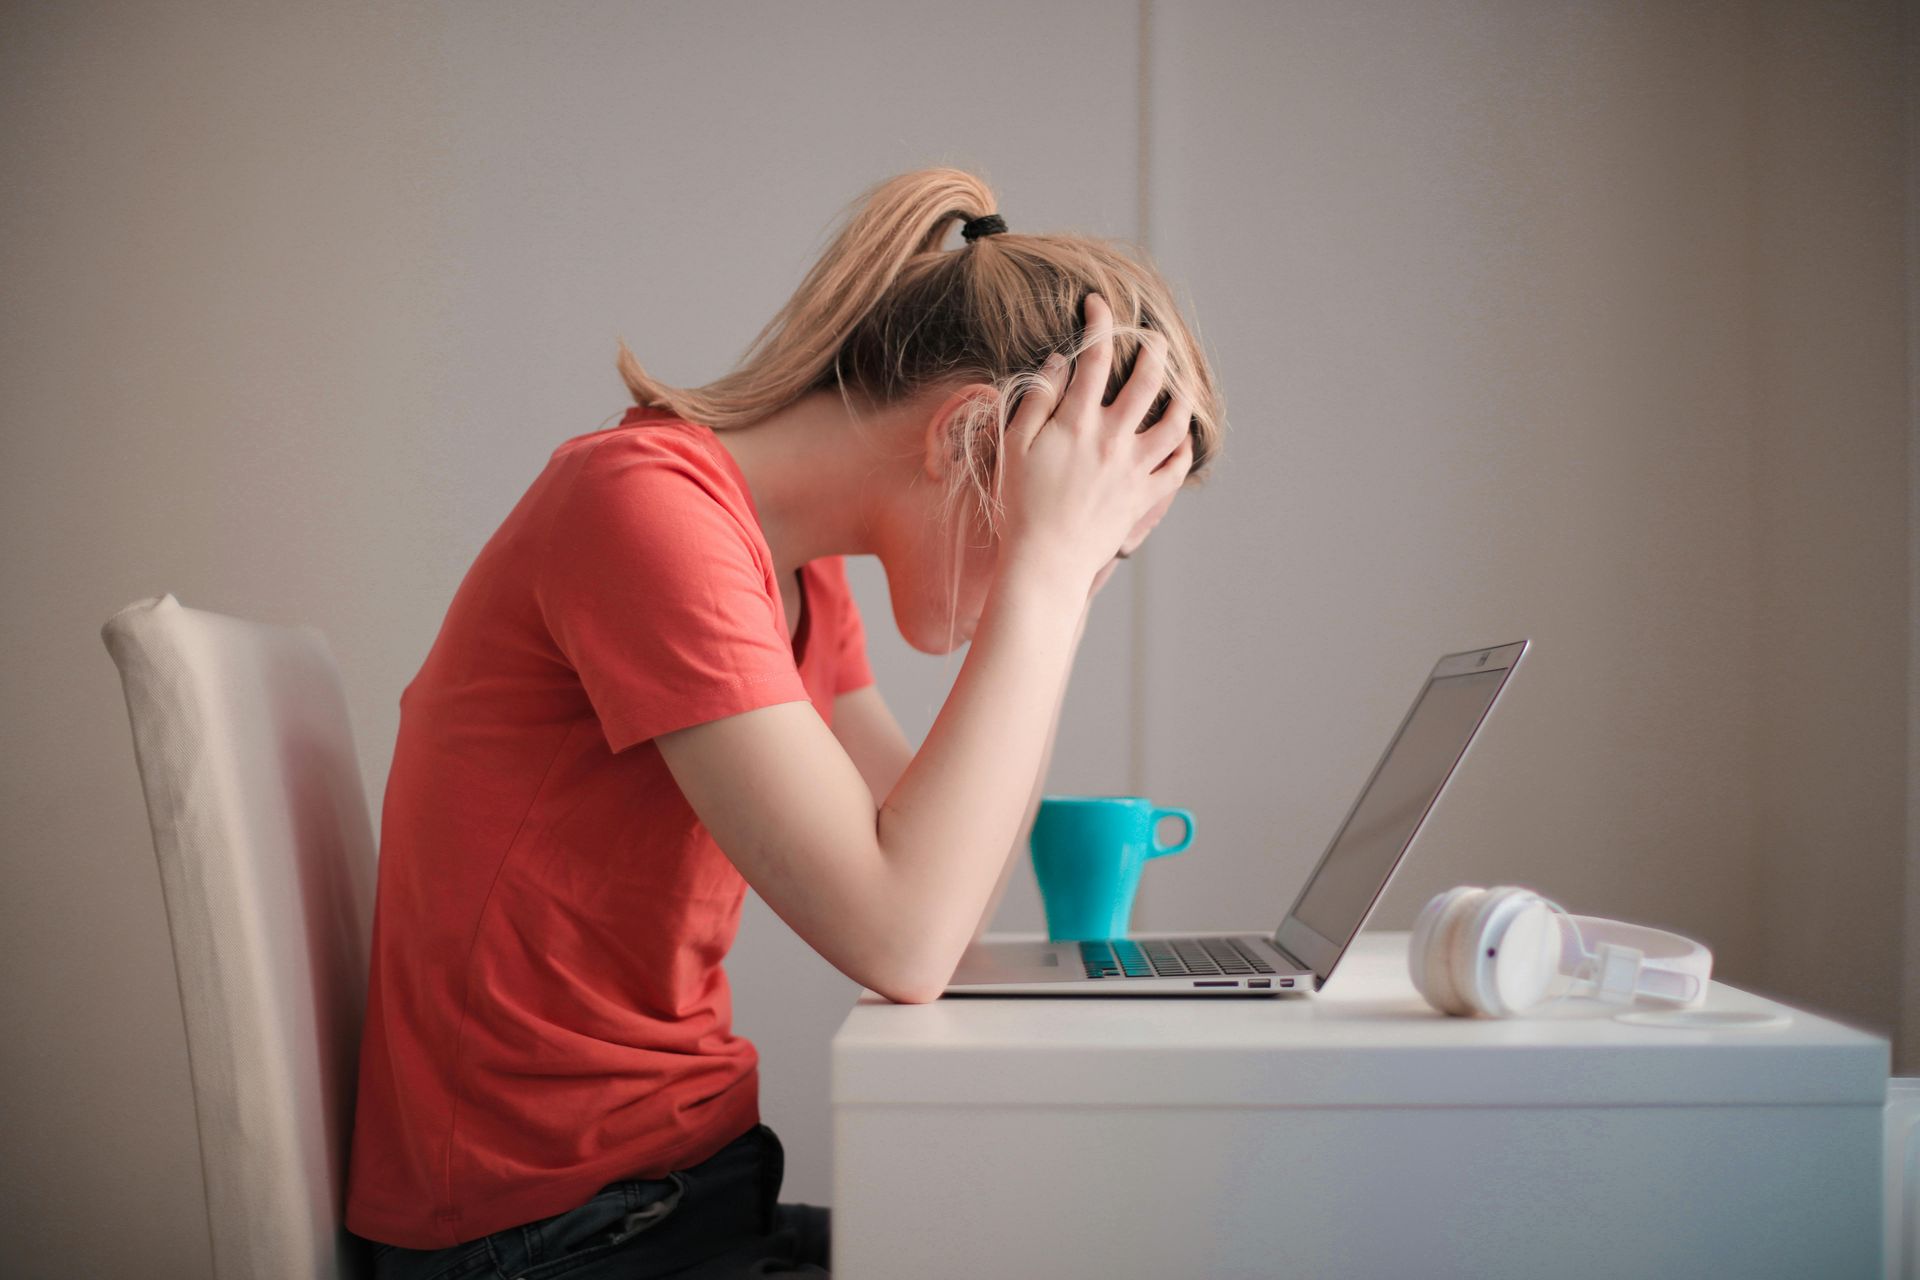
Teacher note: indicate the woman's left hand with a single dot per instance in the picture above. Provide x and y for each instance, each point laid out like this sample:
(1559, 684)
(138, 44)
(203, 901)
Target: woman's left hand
(1135, 540)
(1100, 579)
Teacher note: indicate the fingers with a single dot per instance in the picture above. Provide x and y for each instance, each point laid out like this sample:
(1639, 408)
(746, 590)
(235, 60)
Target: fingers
(1082, 400)
(1173, 472)
(1100, 579)
(1037, 404)
(1159, 441)
(1143, 385)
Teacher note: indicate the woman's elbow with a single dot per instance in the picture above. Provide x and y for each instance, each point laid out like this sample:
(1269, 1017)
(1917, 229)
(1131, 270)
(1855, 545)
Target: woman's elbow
(920, 983)
(905, 965)
(907, 986)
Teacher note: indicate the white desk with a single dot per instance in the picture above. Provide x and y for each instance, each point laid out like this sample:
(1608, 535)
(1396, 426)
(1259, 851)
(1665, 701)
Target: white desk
(1354, 1133)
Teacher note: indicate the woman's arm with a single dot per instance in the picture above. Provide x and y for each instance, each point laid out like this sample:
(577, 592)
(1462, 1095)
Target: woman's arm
(1039, 787)
(867, 728)
(1020, 841)
(891, 898)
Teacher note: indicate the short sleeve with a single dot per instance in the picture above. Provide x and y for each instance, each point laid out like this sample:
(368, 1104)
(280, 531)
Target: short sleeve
(659, 599)
(853, 671)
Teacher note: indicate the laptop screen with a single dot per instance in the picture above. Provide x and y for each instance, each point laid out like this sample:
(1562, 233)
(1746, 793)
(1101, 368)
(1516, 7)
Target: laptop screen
(1357, 865)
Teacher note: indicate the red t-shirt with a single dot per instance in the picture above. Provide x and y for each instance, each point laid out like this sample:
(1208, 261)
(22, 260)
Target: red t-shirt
(546, 1009)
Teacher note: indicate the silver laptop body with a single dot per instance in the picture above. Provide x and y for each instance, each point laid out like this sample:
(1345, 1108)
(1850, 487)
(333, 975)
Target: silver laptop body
(1338, 897)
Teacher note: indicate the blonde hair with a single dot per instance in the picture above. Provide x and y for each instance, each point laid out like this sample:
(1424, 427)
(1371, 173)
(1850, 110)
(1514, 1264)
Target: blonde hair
(887, 313)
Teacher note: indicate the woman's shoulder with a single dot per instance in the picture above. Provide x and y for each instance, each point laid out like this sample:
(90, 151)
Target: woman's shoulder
(663, 456)
(644, 432)
(656, 481)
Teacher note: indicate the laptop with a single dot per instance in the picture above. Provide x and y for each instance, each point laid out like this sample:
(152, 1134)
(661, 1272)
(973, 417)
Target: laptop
(1338, 897)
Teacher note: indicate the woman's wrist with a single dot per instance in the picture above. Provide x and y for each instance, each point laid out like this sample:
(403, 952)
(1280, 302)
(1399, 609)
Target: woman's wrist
(1040, 579)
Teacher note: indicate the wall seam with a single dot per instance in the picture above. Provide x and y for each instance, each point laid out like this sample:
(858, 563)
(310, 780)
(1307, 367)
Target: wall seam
(1759, 853)
(1907, 1046)
(1143, 562)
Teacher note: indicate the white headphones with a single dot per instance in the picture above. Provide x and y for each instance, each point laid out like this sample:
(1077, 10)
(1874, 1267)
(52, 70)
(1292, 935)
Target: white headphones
(1497, 952)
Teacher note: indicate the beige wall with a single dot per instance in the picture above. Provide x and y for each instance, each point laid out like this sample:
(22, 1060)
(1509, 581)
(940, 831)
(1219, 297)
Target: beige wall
(1582, 323)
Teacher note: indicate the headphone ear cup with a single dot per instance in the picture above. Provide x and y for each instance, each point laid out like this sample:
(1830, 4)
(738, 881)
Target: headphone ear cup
(1420, 940)
(1464, 943)
(1430, 950)
(1515, 952)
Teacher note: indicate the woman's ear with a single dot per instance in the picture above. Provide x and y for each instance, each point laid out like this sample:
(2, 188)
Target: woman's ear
(940, 446)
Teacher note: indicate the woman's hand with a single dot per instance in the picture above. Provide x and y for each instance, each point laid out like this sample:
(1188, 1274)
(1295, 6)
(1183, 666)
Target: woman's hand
(1135, 541)
(1079, 477)
(1100, 578)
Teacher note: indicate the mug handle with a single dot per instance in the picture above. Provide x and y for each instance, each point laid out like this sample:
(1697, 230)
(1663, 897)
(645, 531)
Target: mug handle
(1153, 825)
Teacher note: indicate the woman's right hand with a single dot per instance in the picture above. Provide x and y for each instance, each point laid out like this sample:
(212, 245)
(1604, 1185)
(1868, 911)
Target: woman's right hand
(1079, 475)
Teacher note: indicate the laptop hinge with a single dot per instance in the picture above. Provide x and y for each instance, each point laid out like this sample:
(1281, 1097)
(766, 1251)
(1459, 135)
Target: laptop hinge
(1294, 959)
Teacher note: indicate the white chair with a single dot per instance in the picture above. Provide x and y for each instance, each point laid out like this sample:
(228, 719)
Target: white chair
(266, 855)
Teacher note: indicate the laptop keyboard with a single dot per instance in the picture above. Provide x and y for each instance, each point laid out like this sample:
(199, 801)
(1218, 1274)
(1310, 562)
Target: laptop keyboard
(1171, 957)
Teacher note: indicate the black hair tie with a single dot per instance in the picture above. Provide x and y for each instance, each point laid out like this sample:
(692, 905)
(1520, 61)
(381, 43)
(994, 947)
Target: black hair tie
(985, 225)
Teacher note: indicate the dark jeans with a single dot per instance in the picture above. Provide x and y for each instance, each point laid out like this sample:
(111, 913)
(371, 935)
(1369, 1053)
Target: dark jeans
(716, 1220)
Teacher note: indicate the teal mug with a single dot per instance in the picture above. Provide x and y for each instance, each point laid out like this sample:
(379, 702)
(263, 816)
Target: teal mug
(1087, 856)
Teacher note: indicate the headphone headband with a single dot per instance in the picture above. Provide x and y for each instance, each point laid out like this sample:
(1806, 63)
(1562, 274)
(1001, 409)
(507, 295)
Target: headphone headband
(1671, 968)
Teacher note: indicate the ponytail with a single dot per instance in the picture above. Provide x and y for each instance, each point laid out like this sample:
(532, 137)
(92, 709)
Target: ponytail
(893, 223)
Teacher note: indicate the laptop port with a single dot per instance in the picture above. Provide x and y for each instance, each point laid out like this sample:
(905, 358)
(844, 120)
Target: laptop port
(1230, 982)
(1259, 982)
(1286, 982)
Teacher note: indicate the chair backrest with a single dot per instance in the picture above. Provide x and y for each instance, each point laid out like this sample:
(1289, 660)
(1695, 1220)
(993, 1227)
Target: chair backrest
(266, 855)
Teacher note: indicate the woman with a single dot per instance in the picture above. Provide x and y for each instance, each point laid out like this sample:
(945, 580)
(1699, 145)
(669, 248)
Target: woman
(624, 722)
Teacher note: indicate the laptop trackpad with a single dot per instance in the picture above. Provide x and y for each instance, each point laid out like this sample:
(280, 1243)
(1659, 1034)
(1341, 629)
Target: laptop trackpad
(1008, 962)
